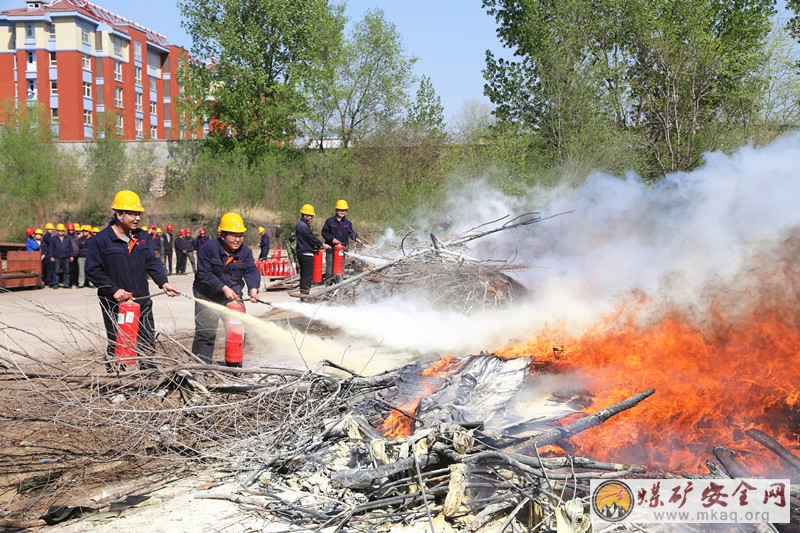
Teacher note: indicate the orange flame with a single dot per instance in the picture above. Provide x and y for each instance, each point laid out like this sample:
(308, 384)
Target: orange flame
(398, 424)
(712, 383)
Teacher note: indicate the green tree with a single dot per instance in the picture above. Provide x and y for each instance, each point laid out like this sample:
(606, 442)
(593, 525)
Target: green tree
(34, 174)
(372, 79)
(425, 116)
(260, 52)
(657, 75)
(779, 103)
(106, 165)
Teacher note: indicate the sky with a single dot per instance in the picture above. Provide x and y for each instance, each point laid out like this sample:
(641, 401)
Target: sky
(450, 37)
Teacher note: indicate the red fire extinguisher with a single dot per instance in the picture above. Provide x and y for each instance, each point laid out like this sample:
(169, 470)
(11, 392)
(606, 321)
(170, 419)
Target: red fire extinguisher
(127, 332)
(234, 336)
(316, 276)
(338, 260)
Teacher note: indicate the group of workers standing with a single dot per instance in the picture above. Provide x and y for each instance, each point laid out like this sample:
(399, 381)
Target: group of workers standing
(63, 252)
(337, 230)
(119, 259)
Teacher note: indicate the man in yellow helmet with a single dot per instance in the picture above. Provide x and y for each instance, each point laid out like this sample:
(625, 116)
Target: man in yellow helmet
(118, 261)
(61, 256)
(48, 274)
(83, 246)
(337, 230)
(263, 243)
(307, 244)
(224, 266)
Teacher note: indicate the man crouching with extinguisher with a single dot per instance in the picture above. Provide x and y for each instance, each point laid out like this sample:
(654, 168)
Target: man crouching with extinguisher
(118, 260)
(224, 265)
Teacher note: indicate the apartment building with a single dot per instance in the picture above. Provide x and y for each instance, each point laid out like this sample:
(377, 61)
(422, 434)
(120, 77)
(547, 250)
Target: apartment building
(92, 69)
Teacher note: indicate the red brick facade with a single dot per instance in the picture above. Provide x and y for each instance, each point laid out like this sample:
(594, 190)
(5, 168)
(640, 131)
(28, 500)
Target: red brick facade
(92, 70)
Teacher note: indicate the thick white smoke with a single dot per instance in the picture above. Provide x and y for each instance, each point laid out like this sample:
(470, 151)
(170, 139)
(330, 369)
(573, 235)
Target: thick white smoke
(667, 240)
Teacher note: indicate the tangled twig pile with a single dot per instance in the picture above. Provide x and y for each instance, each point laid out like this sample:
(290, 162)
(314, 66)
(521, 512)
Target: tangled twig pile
(441, 270)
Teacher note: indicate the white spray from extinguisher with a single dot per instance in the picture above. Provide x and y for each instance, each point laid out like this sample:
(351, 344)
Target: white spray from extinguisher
(268, 344)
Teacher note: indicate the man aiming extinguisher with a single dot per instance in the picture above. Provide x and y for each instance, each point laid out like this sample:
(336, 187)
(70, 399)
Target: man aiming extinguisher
(224, 266)
(118, 260)
(337, 231)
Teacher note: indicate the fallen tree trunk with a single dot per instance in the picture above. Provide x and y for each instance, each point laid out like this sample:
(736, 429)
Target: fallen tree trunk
(554, 435)
(775, 447)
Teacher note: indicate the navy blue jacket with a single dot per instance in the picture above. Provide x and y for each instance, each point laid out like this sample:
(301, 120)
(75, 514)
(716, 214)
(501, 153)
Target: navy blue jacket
(47, 241)
(186, 245)
(264, 245)
(61, 248)
(341, 230)
(215, 271)
(83, 246)
(307, 242)
(110, 267)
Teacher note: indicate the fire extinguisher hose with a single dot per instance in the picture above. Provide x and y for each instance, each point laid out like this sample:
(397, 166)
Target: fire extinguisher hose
(159, 293)
(248, 299)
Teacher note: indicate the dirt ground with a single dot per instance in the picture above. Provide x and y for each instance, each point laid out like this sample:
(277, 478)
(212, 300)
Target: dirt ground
(54, 324)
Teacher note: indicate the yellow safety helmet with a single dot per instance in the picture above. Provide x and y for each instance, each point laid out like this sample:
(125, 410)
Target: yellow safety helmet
(127, 201)
(61, 227)
(158, 230)
(95, 229)
(261, 229)
(307, 209)
(231, 222)
(49, 225)
(341, 205)
(86, 227)
(38, 231)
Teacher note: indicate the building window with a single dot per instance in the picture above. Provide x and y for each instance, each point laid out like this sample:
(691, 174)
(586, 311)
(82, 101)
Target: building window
(54, 115)
(120, 124)
(152, 84)
(52, 59)
(139, 128)
(137, 51)
(118, 97)
(86, 37)
(154, 60)
(87, 90)
(137, 76)
(31, 89)
(138, 101)
(53, 87)
(52, 31)
(87, 62)
(117, 46)
(87, 117)
(153, 109)
(31, 58)
(29, 30)
(118, 70)
(154, 132)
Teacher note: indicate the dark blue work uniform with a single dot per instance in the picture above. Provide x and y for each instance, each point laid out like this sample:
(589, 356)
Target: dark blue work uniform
(216, 269)
(340, 229)
(264, 245)
(112, 263)
(307, 244)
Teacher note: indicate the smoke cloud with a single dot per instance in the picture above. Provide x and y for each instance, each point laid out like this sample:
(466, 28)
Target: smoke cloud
(668, 240)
